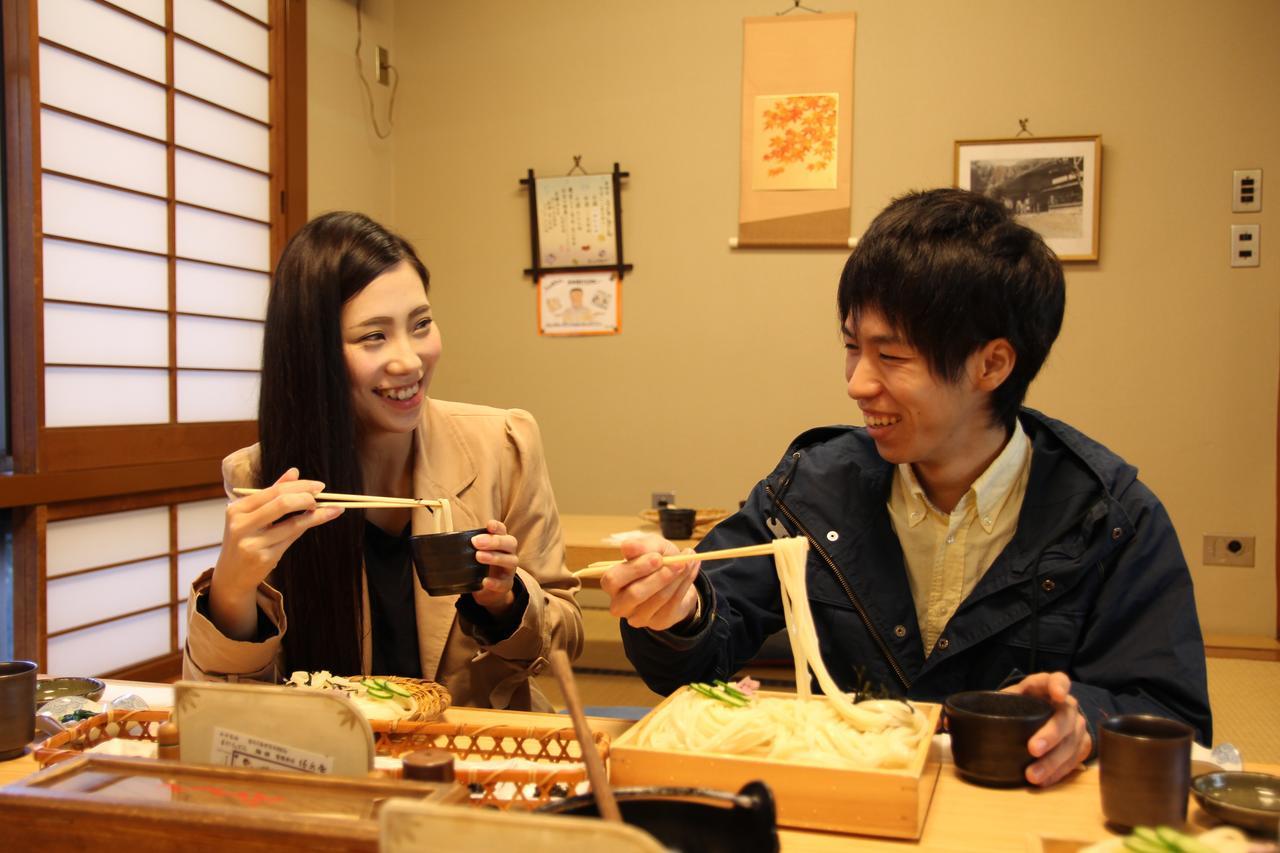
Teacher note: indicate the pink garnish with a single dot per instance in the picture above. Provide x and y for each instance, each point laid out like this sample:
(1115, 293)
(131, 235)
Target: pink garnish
(748, 685)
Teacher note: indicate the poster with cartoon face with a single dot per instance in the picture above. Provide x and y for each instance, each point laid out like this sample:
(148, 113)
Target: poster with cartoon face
(586, 303)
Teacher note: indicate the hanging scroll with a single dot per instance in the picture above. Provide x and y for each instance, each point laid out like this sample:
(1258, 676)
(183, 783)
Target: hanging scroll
(797, 131)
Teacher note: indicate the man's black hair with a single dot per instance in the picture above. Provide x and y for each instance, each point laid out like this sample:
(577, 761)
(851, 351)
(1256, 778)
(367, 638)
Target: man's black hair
(950, 270)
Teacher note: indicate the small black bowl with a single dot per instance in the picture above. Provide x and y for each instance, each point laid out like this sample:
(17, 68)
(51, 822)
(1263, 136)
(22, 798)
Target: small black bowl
(677, 523)
(692, 819)
(989, 735)
(446, 562)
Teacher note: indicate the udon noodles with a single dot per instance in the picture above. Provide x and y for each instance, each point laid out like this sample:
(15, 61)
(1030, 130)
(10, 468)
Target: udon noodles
(830, 729)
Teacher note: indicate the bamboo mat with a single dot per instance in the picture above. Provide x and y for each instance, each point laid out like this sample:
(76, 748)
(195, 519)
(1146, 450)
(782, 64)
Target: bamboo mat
(1245, 696)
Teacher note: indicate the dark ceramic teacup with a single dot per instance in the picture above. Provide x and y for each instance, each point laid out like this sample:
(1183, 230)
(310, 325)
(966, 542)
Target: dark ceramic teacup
(1145, 768)
(446, 562)
(990, 731)
(17, 707)
(687, 819)
(677, 523)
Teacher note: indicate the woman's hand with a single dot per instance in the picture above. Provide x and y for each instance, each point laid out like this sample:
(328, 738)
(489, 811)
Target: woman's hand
(497, 550)
(254, 539)
(644, 591)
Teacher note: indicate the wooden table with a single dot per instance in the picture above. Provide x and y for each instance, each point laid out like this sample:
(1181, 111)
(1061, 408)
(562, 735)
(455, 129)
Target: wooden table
(962, 817)
(586, 537)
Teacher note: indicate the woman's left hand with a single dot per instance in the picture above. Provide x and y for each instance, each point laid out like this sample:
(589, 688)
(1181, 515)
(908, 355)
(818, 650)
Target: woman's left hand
(497, 550)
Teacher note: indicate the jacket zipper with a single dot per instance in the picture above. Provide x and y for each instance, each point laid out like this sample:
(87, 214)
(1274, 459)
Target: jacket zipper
(844, 584)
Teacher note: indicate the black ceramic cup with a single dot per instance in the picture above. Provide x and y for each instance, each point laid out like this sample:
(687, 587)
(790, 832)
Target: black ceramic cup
(446, 562)
(677, 523)
(17, 707)
(1145, 767)
(989, 735)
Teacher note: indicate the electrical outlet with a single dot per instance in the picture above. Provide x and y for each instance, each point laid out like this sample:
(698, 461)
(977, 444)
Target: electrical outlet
(1228, 550)
(381, 65)
(1246, 191)
(660, 499)
(1246, 245)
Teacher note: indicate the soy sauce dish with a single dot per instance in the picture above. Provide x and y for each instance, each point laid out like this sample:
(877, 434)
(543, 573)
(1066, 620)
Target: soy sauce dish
(1247, 800)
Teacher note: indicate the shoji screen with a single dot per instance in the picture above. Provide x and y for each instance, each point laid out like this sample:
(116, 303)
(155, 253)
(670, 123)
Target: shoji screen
(159, 206)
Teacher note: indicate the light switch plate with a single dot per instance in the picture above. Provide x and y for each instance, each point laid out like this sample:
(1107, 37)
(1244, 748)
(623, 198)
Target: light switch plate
(1246, 191)
(1246, 245)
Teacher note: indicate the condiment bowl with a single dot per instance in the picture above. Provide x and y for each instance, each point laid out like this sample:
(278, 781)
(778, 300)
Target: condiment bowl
(48, 689)
(446, 562)
(990, 731)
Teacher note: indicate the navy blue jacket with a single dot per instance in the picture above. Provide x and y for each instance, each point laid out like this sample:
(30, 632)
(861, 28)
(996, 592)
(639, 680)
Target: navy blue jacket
(1093, 584)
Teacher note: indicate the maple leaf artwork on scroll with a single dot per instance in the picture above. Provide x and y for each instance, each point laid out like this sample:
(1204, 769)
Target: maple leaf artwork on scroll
(795, 137)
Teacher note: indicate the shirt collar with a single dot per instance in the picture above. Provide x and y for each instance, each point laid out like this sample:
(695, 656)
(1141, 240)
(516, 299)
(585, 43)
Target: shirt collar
(988, 493)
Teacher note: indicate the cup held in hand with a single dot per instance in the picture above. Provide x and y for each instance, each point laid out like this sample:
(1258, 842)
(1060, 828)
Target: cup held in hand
(677, 523)
(989, 734)
(446, 562)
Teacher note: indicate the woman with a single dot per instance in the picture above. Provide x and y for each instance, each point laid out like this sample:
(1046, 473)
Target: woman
(348, 352)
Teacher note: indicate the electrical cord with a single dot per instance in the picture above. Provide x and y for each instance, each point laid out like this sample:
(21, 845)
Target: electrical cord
(368, 92)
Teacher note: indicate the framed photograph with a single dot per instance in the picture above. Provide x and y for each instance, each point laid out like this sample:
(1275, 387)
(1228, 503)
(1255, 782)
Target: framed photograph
(1050, 184)
(585, 303)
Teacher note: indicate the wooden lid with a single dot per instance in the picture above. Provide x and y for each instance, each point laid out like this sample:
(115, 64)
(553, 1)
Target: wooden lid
(428, 765)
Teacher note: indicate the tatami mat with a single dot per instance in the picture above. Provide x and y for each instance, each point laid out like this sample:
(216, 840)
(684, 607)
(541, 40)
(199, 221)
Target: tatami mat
(1245, 695)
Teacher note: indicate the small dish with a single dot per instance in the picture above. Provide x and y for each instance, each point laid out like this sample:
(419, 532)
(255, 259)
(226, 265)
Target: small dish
(1247, 800)
(48, 689)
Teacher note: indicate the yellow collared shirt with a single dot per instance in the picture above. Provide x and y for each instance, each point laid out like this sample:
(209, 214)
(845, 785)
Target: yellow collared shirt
(947, 554)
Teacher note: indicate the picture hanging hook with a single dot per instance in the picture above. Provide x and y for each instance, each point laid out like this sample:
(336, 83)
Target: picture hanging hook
(577, 165)
(1022, 124)
(795, 5)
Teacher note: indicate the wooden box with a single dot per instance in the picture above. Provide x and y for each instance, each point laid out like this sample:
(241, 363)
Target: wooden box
(890, 803)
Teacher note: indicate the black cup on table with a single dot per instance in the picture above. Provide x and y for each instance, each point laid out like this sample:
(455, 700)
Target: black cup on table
(990, 731)
(677, 523)
(17, 707)
(1145, 767)
(446, 562)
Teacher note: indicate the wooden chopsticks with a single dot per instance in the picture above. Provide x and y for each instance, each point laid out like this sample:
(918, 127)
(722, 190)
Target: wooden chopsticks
(595, 570)
(335, 499)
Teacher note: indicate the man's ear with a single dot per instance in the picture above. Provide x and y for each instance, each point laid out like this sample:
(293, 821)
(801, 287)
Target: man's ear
(992, 364)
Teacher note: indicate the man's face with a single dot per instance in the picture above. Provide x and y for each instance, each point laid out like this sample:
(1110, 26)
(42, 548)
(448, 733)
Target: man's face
(912, 415)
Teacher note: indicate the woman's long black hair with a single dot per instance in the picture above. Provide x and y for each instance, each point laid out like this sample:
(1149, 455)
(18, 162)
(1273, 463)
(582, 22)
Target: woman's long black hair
(305, 421)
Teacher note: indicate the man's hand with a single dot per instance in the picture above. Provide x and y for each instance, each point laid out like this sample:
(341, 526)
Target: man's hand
(1063, 742)
(646, 593)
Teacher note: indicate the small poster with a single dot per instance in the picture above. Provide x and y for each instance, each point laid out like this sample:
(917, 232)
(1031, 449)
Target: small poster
(576, 221)
(585, 303)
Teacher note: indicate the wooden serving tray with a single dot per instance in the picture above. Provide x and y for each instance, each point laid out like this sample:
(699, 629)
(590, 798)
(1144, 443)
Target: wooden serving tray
(144, 805)
(890, 803)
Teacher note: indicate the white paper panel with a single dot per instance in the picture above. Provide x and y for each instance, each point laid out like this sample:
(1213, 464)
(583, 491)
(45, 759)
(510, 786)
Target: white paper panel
(92, 151)
(152, 10)
(92, 90)
(201, 127)
(225, 344)
(257, 8)
(87, 212)
(182, 623)
(191, 565)
(209, 76)
(205, 236)
(200, 523)
(81, 599)
(103, 396)
(87, 334)
(95, 651)
(104, 33)
(223, 30)
(100, 540)
(211, 183)
(108, 276)
(205, 395)
(205, 289)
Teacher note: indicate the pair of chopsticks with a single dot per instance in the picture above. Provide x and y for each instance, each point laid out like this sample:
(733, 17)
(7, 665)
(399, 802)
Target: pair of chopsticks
(595, 570)
(334, 499)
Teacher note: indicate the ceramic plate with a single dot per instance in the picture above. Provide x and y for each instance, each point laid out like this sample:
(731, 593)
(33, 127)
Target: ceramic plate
(1247, 800)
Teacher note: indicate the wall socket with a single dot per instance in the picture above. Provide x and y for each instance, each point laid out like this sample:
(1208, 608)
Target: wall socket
(1246, 191)
(381, 65)
(1246, 245)
(1228, 550)
(660, 499)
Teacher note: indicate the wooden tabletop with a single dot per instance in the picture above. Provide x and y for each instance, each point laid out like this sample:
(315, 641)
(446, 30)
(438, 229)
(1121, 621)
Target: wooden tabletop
(586, 537)
(962, 817)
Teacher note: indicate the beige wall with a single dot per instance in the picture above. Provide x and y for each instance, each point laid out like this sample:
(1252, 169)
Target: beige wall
(1167, 356)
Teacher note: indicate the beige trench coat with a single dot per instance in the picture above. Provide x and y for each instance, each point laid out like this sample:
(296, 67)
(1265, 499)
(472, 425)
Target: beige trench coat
(489, 464)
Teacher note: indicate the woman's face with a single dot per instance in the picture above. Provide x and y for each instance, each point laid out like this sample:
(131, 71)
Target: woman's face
(391, 346)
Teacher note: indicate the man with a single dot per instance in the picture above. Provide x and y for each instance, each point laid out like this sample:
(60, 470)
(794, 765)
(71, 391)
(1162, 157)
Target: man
(958, 541)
